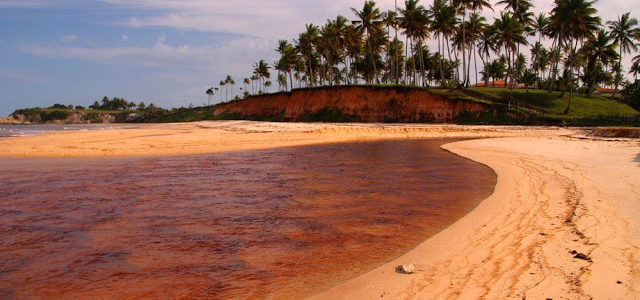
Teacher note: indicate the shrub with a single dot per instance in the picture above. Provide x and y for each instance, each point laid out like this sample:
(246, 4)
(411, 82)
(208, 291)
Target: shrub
(53, 115)
(631, 95)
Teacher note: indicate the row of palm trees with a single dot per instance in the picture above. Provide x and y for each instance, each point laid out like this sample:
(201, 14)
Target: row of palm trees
(389, 47)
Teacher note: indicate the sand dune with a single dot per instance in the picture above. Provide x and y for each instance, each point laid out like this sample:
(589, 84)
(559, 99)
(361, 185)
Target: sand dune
(556, 196)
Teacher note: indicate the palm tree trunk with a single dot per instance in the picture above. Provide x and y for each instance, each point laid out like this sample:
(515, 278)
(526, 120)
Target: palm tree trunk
(441, 59)
(475, 62)
(291, 79)
(554, 68)
(413, 61)
(469, 67)
(375, 69)
(422, 63)
(406, 56)
(464, 44)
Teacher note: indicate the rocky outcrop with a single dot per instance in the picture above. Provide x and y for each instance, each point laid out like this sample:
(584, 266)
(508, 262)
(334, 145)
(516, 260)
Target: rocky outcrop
(353, 103)
(13, 120)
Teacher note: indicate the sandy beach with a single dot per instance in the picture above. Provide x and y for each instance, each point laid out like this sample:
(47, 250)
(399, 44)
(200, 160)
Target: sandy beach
(558, 194)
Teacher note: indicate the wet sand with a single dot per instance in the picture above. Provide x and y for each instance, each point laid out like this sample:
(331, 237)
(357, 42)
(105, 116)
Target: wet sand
(555, 194)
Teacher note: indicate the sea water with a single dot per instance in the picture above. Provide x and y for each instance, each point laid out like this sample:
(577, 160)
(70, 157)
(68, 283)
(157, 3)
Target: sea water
(30, 130)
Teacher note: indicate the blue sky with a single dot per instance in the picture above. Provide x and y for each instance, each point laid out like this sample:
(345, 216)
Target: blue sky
(163, 51)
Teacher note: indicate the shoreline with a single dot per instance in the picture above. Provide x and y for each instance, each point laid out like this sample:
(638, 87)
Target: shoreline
(224, 136)
(554, 194)
(518, 244)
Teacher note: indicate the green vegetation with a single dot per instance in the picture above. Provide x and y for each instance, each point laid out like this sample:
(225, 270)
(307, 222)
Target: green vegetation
(389, 47)
(554, 104)
(631, 95)
(109, 110)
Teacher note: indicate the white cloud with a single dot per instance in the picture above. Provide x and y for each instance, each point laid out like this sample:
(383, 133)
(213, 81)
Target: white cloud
(22, 75)
(250, 17)
(36, 3)
(68, 38)
(162, 54)
(125, 37)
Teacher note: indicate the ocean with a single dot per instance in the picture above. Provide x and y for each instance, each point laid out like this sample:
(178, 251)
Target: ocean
(30, 130)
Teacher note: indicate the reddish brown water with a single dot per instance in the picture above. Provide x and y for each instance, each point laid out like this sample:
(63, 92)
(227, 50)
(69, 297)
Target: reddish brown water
(281, 223)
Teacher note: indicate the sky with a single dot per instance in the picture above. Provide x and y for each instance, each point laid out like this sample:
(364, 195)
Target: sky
(163, 51)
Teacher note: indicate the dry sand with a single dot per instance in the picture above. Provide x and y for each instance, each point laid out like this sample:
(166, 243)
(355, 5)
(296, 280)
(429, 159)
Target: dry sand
(555, 194)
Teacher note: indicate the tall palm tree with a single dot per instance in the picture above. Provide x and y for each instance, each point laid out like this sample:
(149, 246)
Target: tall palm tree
(521, 11)
(478, 5)
(509, 33)
(598, 51)
(486, 45)
(573, 21)
(390, 19)
(288, 59)
(443, 24)
(306, 46)
(461, 7)
(222, 84)
(623, 32)
(261, 71)
(370, 21)
(536, 53)
(414, 22)
(540, 25)
(246, 81)
(477, 25)
(229, 82)
(209, 93)
(353, 48)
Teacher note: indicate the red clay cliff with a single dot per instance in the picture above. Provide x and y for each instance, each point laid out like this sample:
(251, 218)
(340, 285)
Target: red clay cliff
(354, 103)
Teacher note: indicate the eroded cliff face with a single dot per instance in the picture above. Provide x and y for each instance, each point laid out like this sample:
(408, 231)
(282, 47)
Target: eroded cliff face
(359, 104)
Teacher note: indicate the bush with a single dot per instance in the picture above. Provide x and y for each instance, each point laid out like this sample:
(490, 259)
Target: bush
(53, 115)
(631, 95)
(59, 106)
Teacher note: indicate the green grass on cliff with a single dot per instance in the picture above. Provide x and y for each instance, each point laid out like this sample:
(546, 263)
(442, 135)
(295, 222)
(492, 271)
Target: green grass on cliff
(554, 105)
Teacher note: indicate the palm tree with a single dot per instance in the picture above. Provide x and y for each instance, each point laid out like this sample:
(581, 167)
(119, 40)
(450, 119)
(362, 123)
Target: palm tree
(509, 33)
(261, 71)
(598, 51)
(222, 84)
(390, 19)
(414, 23)
(306, 46)
(267, 85)
(623, 32)
(528, 78)
(209, 93)
(353, 48)
(370, 20)
(540, 25)
(572, 21)
(485, 47)
(478, 26)
(443, 23)
(461, 7)
(635, 69)
(230, 82)
(246, 81)
(288, 59)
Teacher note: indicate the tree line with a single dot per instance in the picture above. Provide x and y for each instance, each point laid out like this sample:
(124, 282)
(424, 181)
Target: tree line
(389, 47)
